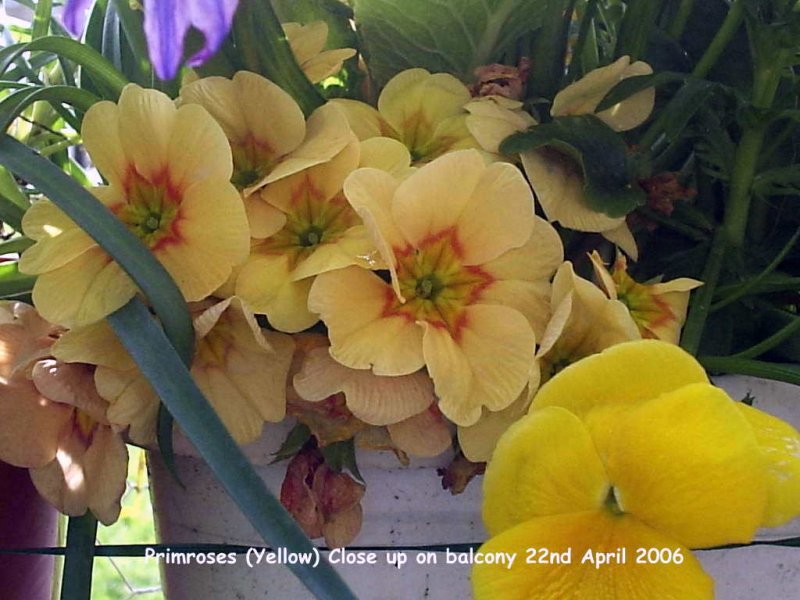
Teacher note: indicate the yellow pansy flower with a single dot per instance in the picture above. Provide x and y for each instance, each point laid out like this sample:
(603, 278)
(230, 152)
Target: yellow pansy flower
(308, 42)
(659, 309)
(678, 467)
(424, 111)
(168, 172)
(469, 265)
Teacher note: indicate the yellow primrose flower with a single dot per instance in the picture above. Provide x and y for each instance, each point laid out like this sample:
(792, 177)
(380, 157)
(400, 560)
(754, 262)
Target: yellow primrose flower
(493, 118)
(308, 43)
(558, 180)
(267, 145)
(241, 369)
(584, 321)
(678, 467)
(425, 434)
(53, 422)
(422, 110)
(469, 265)
(168, 170)
(659, 309)
(322, 232)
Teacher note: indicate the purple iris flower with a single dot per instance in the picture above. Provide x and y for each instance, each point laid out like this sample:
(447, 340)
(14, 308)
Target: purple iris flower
(165, 25)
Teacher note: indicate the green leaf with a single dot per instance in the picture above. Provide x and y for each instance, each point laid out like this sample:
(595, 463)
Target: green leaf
(342, 455)
(149, 347)
(115, 238)
(293, 443)
(12, 282)
(79, 558)
(13, 203)
(788, 372)
(628, 87)
(41, 18)
(13, 104)
(601, 154)
(453, 36)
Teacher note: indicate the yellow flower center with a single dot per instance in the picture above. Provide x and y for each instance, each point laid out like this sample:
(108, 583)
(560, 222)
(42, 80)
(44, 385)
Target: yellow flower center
(311, 221)
(252, 161)
(611, 503)
(84, 425)
(434, 283)
(647, 309)
(151, 210)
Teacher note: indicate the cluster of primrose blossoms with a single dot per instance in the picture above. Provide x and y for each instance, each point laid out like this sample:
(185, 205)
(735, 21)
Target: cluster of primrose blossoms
(445, 297)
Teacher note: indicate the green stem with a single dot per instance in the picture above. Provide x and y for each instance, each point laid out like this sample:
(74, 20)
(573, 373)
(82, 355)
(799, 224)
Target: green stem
(678, 25)
(750, 285)
(549, 49)
(701, 299)
(765, 287)
(575, 66)
(780, 336)
(637, 25)
(727, 30)
(79, 558)
(787, 372)
(744, 169)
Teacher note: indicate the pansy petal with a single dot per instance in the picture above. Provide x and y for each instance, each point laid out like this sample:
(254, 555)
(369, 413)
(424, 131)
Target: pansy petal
(625, 373)
(780, 444)
(351, 302)
(701, 438)
(584, 576)
(545, 464)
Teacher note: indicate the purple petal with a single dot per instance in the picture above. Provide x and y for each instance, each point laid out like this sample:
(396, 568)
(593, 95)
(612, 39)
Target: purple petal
(213, 18)
(74, 15)
(165, 25)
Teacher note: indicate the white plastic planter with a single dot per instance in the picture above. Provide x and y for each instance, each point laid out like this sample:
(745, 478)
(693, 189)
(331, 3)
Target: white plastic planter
(408, 507)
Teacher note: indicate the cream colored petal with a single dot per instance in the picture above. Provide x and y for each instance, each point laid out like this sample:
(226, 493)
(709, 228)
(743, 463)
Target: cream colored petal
(622, 237)
(634, 110)
(326, 63)
(531, 299)
(213, 236)
(364, 120)
(478, 441)
(425, 434)
(101, 137)
(536, 261)
(62, 482)
(327, 133)
(307, 40)
(386, 154)
(94, 344)
(83, 291)
(264, 219)
(70, 384)
(558, 184)
(221, 97)
(352, 304)
(133, 404)
(106, 467)
(602, 275)
(487, 364)
(266, 285)
(414, 99)
(49, 254)
(146, 123)
(242, 420)
(498, 215)
(198, 149)
(30, 425)
(353, 247)
(490, 122)
(45, 221)
(433, 199)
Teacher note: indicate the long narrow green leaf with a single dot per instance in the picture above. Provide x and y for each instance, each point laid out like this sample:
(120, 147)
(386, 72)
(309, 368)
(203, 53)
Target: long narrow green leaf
(17, 244)
(148, 346)
(12, 282)
(13, 104)
(83, 208)
(79, 558)
(787, 372)
(631, 85)
(102, 72)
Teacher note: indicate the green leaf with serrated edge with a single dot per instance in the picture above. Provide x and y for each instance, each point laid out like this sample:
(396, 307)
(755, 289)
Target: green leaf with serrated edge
(293, 443)
(601, 154)
(162, 367)
(13, 104)
(629, 86)
(342, 455)
(453, 36)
